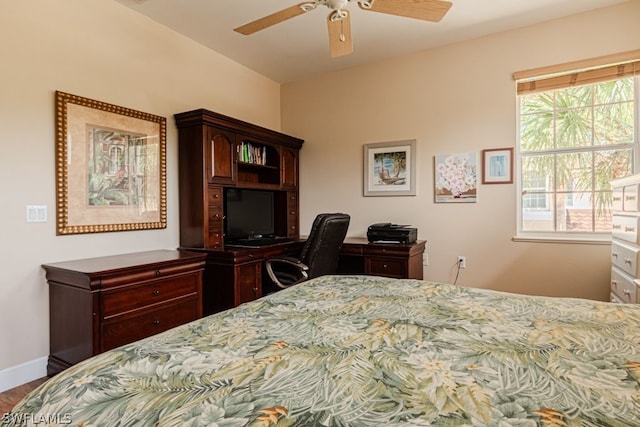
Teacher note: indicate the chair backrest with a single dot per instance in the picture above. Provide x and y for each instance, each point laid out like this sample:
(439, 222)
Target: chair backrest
(322, 249)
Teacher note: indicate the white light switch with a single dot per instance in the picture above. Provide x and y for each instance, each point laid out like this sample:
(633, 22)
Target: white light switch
(36, 213)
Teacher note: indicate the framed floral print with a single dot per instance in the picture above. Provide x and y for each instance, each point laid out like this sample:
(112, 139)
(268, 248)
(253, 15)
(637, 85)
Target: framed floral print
(456, 178)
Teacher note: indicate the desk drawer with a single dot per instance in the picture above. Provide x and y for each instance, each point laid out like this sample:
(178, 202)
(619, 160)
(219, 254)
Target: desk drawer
(385, 267)
(143, 323)
(625, 258)
(623, 286)
(625, 227)
(134, 297)
(214, 196)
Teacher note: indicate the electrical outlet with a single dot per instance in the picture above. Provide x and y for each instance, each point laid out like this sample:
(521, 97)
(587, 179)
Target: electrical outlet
(462, 261)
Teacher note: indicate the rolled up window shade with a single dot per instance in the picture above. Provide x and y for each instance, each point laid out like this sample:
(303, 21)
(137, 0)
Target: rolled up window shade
(586, 72)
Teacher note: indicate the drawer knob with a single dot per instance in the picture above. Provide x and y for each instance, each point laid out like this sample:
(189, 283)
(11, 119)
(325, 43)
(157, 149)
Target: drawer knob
(156, 292)
(627, 261)
(629, 229)
(255, 290)
(630, 198)
(384, 266)
(627, 292)
(215, 196)
(156, 322)
(614, 254)
(158, 273)
(614, 284)
(616, 226)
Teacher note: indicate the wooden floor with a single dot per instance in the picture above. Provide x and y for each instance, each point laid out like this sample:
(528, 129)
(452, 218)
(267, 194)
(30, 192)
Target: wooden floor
(9, 398)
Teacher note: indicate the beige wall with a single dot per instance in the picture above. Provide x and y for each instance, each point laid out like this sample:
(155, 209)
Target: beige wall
(100, 50)
(459, 98)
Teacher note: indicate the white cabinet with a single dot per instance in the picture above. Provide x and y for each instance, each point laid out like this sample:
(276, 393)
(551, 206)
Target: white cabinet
(625, 244)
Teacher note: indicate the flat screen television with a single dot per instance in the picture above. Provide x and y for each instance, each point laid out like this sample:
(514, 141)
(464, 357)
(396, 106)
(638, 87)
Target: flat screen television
(249, 214)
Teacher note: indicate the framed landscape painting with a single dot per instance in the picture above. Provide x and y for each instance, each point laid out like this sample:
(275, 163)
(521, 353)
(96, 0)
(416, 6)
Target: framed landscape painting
(390, 168)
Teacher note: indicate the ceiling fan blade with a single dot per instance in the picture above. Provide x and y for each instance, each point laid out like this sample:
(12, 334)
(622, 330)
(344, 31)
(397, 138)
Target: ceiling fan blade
(273, 19)
(340, 42)
(427, 10)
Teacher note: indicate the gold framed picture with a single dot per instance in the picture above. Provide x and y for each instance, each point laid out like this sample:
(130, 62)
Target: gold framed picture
(110, 167)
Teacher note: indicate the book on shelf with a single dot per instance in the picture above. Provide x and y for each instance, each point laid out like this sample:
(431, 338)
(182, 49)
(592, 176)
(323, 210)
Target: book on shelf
(255, 154)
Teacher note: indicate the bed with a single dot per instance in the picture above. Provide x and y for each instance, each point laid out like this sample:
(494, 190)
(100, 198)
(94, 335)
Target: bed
(365, 351)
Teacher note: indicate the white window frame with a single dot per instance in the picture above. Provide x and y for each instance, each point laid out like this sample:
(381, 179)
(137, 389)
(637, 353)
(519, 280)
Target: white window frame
(564, 236)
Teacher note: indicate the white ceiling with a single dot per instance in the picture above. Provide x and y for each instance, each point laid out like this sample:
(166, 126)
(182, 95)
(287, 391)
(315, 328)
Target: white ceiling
(299, 47)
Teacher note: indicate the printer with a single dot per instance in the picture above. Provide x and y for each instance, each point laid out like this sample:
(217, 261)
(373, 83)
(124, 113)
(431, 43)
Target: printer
(388, 232)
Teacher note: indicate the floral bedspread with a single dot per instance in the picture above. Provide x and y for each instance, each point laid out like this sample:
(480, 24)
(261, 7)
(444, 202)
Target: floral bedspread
(365, 351)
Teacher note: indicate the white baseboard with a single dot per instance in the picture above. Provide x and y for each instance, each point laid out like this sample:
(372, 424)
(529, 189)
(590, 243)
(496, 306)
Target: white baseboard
(22, 374)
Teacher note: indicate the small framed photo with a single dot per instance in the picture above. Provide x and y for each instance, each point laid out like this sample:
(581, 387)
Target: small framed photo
(497, 166)
(390, 168)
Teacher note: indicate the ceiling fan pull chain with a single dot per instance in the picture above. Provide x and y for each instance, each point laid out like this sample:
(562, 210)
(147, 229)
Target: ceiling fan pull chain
(342, 36)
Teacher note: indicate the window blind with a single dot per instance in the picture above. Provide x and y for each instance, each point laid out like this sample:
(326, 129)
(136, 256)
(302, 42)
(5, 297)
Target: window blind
(584, 72)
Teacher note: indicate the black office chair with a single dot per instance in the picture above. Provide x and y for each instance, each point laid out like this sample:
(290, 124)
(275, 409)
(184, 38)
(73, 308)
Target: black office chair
(318, 257)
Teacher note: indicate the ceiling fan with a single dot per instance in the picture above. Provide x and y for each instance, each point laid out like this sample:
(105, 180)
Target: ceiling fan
(339, 22)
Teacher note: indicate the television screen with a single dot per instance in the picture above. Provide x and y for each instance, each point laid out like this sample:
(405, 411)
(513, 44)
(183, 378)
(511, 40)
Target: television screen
(249, 214)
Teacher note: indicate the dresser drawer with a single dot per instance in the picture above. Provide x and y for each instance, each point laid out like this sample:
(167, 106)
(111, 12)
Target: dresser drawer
(121, 300)
(385, 267)
(614, 298)
(630, 201)
(140, 324)
(625, 258)
(617, 195)
(625, 227)
(623, 286)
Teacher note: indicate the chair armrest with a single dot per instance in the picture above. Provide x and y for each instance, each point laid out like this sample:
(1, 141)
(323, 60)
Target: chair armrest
(288, 260)
(298, 265)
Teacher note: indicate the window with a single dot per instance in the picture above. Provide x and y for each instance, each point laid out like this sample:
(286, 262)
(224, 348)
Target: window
(577, 132)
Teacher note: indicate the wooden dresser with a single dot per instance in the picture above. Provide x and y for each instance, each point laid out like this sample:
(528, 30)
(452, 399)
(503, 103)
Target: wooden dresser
(625, 244)
(97, 304)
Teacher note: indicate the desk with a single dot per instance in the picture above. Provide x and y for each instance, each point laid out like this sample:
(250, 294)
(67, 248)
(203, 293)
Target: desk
(397, 260)
(235, 275)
